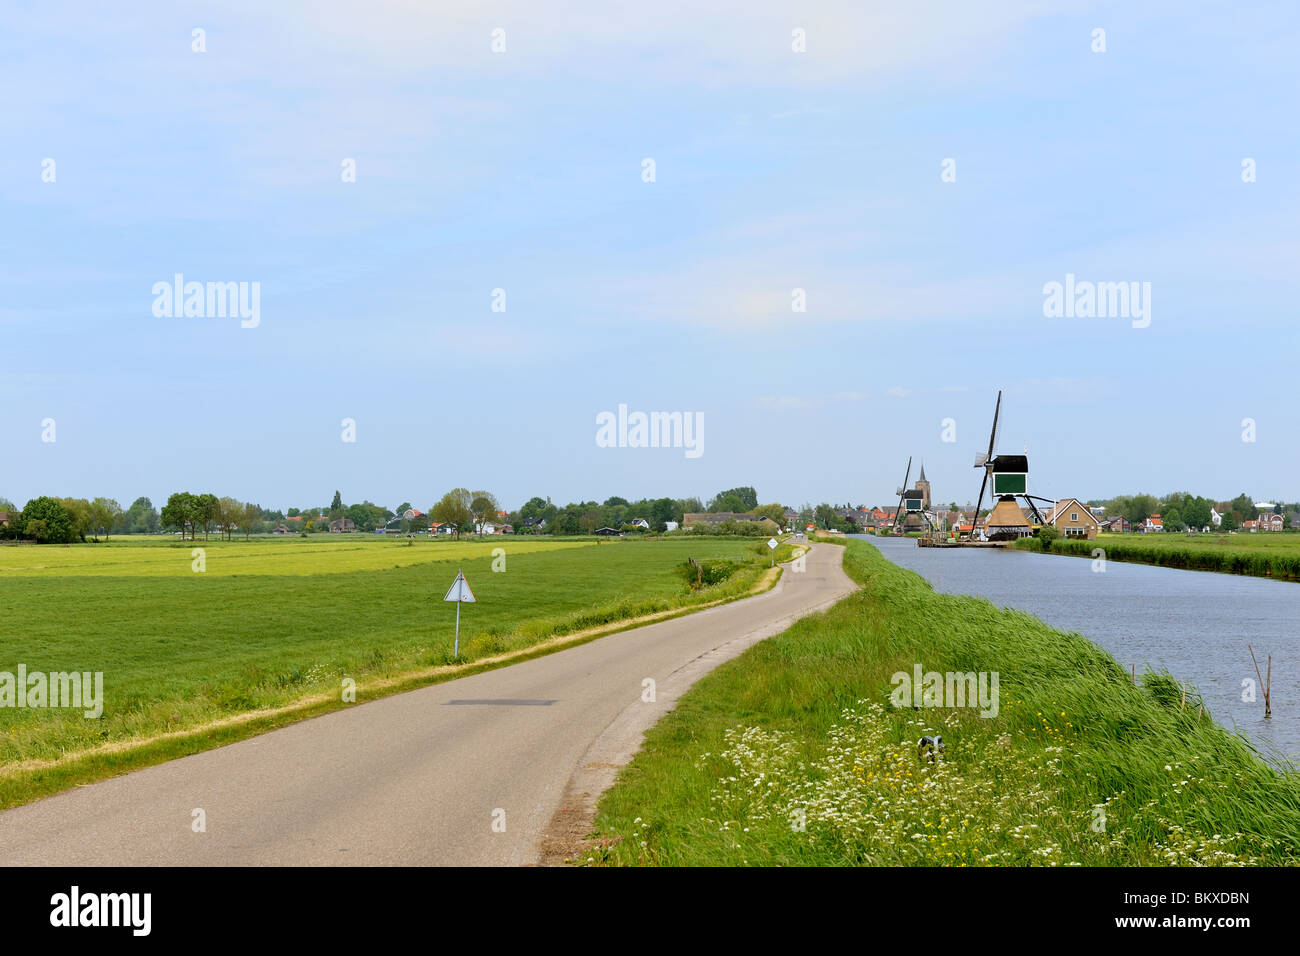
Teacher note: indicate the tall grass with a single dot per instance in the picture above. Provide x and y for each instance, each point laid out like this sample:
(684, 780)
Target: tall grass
(794, 754)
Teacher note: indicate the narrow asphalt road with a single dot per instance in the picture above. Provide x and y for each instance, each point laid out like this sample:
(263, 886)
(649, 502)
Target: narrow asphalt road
(468, 772)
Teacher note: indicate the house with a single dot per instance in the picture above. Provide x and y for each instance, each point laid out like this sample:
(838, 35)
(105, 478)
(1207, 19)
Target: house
(640, 523)
(410, 514)
(4, 519)
(1251, 526)
(1117, 525)
(440, 527)
(487, 527)
(1153, 523)
(670, 525)
(1217, 512)
(1098, 511)
(282, 528)
(1271, 522)
(608, 532)
(507, 529)
(1073, 519)
(342, 526)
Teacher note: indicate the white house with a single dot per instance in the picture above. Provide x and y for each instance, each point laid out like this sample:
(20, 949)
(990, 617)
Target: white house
(670, 525)
(640, 523)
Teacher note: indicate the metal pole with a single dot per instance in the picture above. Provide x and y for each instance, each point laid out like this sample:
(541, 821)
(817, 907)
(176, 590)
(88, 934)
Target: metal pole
(456, 651)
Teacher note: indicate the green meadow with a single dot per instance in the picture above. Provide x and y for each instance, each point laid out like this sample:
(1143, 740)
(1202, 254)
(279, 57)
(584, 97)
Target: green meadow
(1263, 554)
(794, 753)
(274, 626)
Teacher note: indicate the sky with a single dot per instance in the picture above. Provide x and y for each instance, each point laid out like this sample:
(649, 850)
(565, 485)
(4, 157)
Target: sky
(921, 171)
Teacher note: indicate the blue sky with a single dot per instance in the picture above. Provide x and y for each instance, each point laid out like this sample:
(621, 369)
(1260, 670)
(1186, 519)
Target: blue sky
(522, 170)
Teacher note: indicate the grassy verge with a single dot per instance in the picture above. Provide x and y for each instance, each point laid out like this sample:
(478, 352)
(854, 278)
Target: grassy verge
(793, 753)
(192, 661)
(1273, 555)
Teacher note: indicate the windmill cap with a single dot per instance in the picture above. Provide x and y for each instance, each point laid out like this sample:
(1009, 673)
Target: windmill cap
(1011, 463)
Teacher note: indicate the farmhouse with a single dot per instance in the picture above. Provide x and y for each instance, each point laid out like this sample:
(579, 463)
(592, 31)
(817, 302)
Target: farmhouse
(342, 526)
(1271, 522)
(1153, 523)
(1073, 519)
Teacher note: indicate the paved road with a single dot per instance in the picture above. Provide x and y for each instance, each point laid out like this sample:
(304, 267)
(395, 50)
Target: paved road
(418, 778)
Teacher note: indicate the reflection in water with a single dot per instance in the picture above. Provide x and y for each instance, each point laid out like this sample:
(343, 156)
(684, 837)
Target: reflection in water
(1195, 624)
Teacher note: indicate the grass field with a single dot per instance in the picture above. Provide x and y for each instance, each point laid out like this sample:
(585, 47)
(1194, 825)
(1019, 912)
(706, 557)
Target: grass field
(793, 753)
(272, 623)
(1265, 554)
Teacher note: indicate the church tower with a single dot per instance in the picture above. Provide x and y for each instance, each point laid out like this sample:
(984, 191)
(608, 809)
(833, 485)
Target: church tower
(923, 486)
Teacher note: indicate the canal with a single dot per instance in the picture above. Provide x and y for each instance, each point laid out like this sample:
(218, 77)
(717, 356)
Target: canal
(1194, 624)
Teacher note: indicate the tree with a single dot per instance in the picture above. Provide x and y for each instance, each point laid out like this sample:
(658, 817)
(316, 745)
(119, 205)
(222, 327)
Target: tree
(78, 510)
(1138, 508)
(1229, 522)
(483, 506)
(1172, 520)
(336, 506)
(206, 515)
(140, 518)
(105, 513)
(247, 516)
(1243, 506)
(735, 499)
(453, 509)
(775, 512)
(182, 511)
(227, 515)
(46, 520)
(1197, 513)
(533, 508)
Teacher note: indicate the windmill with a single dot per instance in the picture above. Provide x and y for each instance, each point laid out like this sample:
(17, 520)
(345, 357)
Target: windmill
(911, 501)
(1009, 475)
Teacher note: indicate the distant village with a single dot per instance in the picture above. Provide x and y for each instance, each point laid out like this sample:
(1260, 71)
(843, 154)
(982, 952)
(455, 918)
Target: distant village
(1071, 517)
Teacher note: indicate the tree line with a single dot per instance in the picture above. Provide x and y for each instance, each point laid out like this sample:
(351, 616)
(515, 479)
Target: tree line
(50, 520)
(1181, 510)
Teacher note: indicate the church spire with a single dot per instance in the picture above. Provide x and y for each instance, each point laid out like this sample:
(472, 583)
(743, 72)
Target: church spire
(922, 478)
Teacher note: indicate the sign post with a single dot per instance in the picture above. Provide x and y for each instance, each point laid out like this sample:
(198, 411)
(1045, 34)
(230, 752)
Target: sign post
(461, 594)
(771, 543)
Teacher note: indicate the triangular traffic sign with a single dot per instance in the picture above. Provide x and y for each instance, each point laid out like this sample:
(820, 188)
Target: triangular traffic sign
(460, 591)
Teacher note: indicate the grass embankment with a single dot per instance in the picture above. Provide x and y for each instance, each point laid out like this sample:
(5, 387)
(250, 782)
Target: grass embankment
(1272, 554)
(267, 633)
(1079, 766)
